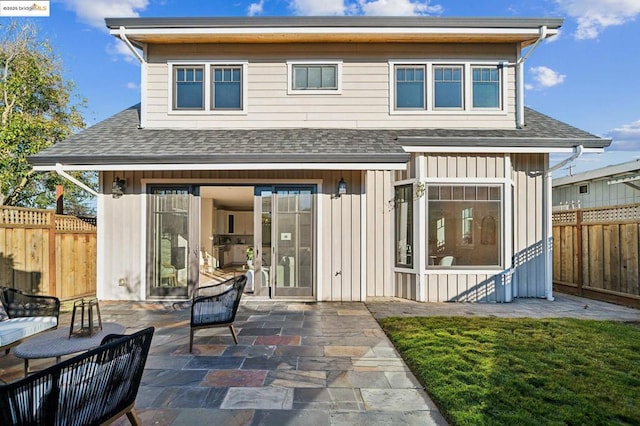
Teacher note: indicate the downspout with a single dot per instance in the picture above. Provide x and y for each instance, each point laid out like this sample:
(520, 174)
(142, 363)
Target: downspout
(61, 172)
(143, 75)
(124, 38)
(547, 228)
(519, 64)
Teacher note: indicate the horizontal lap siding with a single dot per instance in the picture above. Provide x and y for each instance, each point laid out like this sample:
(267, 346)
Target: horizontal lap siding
(363, 103)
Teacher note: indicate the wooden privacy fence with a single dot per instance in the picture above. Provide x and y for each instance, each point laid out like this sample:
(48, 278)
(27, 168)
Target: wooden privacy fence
(595, 253)
(45, 253)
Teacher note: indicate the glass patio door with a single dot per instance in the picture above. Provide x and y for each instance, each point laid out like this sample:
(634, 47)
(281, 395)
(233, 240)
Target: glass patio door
(285, 240)
(172, 241)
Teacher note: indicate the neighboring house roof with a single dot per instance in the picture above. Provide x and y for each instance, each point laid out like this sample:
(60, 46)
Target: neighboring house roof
(336, 29)
(627, 169)
(118, 140)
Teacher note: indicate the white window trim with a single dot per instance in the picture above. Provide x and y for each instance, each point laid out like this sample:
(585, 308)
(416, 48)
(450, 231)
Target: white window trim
(467, 100)
(207, 88)
(332, 62)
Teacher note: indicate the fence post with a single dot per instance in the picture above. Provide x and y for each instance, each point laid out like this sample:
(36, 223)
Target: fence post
(579, 249)
(53, 290)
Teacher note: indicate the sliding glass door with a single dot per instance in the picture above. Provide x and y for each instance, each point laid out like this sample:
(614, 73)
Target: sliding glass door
(285, 240)
(172, 241)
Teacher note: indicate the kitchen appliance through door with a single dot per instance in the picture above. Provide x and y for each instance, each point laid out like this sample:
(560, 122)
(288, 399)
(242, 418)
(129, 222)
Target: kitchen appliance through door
(284, 264)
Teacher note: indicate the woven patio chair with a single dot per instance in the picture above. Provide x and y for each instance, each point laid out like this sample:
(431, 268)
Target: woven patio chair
(216, 310)
(95, 387)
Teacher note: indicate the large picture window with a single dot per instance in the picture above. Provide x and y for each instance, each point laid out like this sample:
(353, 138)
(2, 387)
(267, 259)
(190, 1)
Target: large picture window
(404, 225)
(464, 226)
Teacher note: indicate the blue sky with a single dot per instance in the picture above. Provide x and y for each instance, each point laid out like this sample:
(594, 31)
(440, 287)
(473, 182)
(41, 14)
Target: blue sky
(587, 76)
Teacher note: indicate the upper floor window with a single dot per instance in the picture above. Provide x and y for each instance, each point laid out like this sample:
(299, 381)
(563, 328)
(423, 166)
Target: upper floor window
(314, 77)
(420, 87)
(227, 87)
(189, 87)
(209, 87)
(447, 86)
(486, 87)
(410, 87)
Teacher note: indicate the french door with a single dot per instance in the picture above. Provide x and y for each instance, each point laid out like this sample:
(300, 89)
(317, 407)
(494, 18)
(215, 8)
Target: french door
(284, 234)
(173, 218)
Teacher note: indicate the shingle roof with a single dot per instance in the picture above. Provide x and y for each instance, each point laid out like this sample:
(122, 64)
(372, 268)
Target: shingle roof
(119, 140)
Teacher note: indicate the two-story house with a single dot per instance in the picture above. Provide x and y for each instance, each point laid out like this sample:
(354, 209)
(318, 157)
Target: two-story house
(358, 156)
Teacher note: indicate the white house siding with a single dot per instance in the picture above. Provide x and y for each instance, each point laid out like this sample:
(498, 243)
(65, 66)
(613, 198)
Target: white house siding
(364, 102)
(528, 179)
(123, 246)
(379, 235)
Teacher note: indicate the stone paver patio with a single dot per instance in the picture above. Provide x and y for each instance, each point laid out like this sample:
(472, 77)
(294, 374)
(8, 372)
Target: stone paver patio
(296, 363)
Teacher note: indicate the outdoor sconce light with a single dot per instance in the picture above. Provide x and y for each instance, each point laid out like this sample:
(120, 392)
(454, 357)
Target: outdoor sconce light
(118, 187)
(342, 187)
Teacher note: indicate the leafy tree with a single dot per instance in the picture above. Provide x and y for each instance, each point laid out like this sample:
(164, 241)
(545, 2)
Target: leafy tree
(38, 108)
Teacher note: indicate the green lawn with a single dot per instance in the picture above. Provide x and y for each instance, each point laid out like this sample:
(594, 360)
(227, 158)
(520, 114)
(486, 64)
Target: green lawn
(524, 371)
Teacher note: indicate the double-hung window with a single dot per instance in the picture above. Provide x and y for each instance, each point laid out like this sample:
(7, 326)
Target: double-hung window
(227, 87)
(410, 87)
(315, 77)
(207, 87)
(486, 87)
(448, 87)
(189, 88)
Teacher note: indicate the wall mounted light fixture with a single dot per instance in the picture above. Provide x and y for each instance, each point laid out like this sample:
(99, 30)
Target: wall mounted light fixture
(342, 187)
(118, 187)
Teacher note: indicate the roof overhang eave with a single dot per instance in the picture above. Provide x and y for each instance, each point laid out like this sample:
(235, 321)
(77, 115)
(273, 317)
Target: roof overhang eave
(497, 144)
(46, 166)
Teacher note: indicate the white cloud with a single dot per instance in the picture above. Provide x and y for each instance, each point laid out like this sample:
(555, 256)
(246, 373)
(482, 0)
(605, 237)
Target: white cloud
(594, 16)
(255, 8)
(318, 8)
(544, 77)
(398, 7)
(119, 50)
(626, 137)
(93, 12)
(132, 86)
(364, 7)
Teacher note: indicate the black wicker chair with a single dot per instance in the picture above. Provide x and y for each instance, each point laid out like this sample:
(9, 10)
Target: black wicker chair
(95, 387)
(216, 310)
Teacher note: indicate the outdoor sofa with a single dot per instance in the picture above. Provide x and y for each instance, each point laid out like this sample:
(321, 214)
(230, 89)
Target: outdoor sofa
(24, 315)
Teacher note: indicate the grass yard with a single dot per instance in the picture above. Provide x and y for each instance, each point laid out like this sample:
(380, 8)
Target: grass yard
(483, 371)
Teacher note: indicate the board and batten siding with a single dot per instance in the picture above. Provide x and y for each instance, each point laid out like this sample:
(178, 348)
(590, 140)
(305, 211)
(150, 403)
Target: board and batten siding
(363, 103)
(339, 251)
(524, 171)
(528, 240)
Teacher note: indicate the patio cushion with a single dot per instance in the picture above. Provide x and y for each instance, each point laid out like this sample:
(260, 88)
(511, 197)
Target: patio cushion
(3, 313)
(14, 329)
